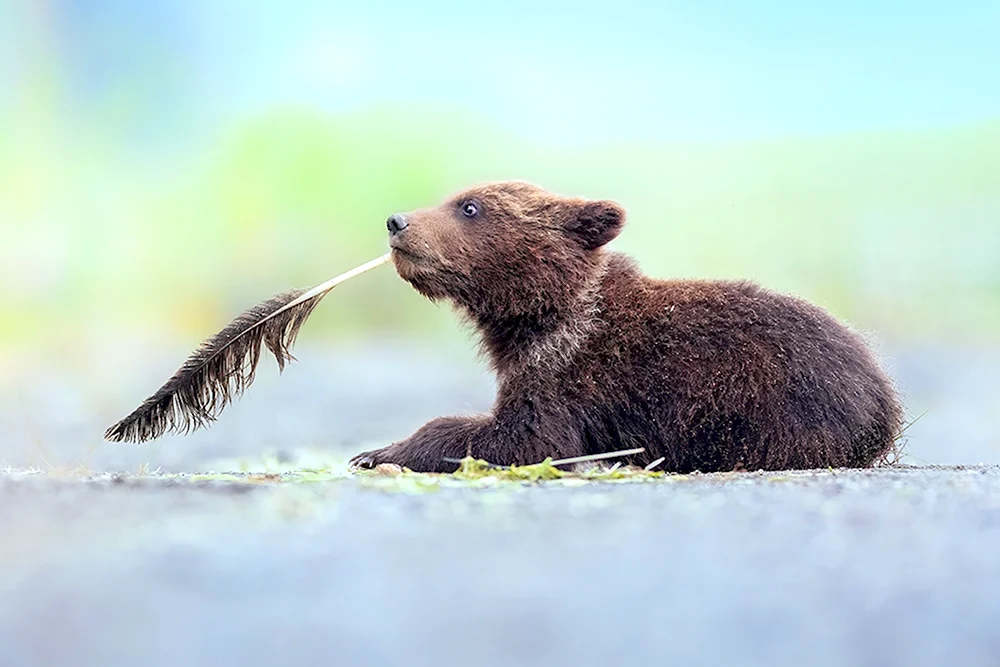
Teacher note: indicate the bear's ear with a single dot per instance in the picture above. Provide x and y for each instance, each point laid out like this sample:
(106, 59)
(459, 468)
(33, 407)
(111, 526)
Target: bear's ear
(594, 223)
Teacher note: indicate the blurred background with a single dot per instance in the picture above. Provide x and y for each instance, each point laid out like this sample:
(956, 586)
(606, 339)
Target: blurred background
(166, 164)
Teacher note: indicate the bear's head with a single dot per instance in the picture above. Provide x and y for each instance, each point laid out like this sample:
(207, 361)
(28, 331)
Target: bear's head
(504, 251)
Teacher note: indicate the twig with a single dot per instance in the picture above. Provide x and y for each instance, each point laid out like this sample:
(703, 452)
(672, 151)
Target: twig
(575, 459)
(898, 450)
(655, 463)
(912, 422)
(598, 457)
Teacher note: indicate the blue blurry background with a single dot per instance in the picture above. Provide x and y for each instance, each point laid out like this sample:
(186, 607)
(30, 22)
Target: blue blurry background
(164, 165)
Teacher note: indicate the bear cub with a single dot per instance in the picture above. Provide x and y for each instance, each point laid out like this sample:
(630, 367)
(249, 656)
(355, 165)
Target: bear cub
(592, 356)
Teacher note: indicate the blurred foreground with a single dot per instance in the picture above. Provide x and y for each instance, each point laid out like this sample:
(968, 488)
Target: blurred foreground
(829, 568)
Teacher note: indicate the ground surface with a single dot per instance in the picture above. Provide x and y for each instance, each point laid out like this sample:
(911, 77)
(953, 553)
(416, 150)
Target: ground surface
(898, 566)
(857, 568)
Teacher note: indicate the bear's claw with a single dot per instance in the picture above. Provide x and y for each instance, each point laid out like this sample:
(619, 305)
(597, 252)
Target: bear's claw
(365, 461)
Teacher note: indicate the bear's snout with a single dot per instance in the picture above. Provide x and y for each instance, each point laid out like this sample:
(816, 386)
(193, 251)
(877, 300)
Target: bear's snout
(396, 223)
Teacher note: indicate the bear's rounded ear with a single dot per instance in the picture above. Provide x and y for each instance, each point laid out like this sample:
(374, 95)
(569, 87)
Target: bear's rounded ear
(595, 223)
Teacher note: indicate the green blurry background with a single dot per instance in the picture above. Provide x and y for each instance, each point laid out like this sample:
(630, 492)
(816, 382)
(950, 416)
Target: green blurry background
(165, 164)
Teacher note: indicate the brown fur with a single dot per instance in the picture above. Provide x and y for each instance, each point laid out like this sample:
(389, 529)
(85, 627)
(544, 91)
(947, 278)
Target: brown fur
(591, 356)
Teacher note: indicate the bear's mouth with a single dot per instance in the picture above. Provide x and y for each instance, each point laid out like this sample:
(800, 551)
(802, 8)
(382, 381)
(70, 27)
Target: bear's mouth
(400, 251)
(420, 271)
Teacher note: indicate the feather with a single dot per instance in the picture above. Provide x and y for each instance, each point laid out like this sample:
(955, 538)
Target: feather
(225, 365)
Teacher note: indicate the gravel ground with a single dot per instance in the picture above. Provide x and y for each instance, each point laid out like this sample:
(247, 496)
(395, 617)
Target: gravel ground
(896, 566)
(829, 568)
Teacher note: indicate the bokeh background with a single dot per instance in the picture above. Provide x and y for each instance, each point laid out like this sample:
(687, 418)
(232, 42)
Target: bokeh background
(165, 164)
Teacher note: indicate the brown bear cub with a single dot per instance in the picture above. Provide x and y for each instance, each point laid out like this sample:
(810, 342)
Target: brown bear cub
(592, 356)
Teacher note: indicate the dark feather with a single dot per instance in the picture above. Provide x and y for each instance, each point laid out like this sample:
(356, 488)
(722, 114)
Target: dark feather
(218, 371)
(224, 365)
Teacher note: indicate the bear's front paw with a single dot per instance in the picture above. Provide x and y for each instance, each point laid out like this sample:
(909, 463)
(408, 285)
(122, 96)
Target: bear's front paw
(366, 460)
(369, 460)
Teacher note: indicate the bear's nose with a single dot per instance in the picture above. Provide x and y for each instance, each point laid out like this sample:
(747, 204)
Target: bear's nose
(395, 224)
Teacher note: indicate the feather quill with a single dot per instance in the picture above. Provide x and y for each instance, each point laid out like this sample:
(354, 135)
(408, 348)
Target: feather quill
(224, 365)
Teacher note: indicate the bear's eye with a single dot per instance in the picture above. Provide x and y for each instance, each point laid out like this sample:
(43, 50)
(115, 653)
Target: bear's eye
(470, 209)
